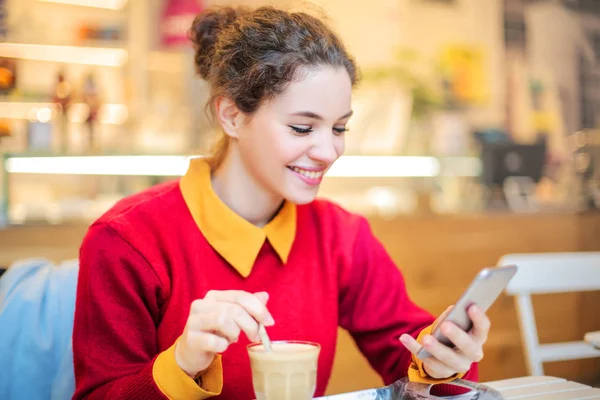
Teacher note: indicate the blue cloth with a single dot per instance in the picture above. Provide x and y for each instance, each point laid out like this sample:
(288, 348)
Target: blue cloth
(37, 305)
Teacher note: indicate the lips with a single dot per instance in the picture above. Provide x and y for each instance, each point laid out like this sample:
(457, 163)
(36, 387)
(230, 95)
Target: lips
(311, 174)
(311, 177)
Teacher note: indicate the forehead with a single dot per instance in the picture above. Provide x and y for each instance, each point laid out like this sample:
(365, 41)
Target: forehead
(326, 91)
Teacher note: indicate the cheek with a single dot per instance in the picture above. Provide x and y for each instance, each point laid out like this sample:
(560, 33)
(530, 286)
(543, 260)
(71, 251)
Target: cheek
(288, 149)
(257, 137)
(267, 142)
(339, 145)
(278, 144)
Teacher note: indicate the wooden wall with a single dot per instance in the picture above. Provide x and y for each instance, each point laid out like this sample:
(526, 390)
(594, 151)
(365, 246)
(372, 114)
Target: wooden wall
(438, 257)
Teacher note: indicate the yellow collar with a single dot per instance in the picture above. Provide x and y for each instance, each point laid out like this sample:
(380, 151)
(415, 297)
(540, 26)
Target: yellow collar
(235, 239)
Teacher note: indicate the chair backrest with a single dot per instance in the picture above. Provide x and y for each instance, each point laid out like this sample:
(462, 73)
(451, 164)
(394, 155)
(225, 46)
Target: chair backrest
(37, 304)
(554, 272)
(550, 273)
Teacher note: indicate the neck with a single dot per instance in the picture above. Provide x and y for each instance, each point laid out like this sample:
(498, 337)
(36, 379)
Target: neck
(236, 187)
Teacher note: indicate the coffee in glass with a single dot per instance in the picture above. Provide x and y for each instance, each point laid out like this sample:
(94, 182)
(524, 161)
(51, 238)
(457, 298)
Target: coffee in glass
(288, 372)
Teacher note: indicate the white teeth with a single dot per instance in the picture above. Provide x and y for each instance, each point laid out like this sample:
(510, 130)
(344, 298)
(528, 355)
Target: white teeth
(308, 174)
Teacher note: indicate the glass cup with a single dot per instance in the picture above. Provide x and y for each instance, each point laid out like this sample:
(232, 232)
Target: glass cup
(288, 372)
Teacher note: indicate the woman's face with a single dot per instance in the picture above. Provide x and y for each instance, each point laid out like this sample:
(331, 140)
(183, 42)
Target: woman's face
(290, 141)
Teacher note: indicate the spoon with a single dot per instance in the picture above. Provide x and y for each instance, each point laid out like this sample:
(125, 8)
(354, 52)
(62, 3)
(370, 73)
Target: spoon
(264, 338)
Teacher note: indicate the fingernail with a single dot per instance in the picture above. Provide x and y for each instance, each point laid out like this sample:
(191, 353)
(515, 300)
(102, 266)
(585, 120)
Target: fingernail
(269, 321)
(427, 340)
(404, 338)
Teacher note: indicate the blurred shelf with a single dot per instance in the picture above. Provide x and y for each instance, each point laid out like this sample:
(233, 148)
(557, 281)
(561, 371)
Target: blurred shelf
(176, 165)
(106, 4)
(99, 56)
(113, 114)
(26, 110)
(101, 43)
(98, 165)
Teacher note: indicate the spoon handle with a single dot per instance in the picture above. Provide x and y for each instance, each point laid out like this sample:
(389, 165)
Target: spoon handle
(264, 338)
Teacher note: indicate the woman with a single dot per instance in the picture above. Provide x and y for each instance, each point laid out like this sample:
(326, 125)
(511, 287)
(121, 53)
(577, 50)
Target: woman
(175, 280)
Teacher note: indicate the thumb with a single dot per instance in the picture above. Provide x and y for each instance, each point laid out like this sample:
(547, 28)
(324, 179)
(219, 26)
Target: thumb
(262, 296)
(441, 317)
(447, 311)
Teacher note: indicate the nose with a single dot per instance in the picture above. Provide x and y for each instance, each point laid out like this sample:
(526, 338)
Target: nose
(326, 147)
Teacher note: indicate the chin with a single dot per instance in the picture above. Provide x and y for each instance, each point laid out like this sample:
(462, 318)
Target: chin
(301, 197)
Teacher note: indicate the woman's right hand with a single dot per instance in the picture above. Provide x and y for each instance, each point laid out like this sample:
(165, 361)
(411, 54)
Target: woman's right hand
(215, 322)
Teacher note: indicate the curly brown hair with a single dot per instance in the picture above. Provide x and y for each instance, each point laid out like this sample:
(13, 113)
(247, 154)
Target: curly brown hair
(250, 55)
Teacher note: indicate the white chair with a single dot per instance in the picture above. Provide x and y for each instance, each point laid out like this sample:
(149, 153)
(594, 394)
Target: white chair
(550, 273)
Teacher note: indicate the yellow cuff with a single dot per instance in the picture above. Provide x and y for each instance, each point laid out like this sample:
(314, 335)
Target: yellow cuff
(416, 372)
(177, 385)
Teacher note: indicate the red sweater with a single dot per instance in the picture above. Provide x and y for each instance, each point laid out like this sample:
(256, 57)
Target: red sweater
(146, 260)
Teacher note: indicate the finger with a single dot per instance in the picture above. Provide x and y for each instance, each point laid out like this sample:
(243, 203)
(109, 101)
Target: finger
(243, 320)
(481, 324)
(436, 369)
(441, 317)
(263, 297)
(232, 311)
(451, 358)
(208, 342)
(199, 306)
(216, 322)
(433, 367)
(410, 343)
(250, 302)
(448, 309)
(463, 341)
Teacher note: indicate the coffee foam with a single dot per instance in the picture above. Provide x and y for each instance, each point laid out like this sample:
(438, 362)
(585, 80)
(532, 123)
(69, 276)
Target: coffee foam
(284, 351)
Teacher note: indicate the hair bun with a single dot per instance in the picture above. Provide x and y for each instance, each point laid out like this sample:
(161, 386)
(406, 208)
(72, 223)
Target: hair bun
(204, 34)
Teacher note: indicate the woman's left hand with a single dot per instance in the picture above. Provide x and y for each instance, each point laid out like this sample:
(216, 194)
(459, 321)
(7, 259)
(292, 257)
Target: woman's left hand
(446, 361)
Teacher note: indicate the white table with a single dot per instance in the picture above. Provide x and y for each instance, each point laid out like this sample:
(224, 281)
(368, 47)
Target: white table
(543, 388)
(526, 388)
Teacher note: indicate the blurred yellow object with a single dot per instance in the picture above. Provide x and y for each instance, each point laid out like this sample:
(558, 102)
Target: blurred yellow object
(6, 78)
(5, 128)
(463, 66)
(543, 121)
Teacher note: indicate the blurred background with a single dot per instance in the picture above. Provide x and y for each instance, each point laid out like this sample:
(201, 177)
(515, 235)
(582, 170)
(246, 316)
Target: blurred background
(475, 134)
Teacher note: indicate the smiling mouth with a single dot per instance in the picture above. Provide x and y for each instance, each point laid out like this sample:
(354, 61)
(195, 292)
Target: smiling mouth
(307, 173)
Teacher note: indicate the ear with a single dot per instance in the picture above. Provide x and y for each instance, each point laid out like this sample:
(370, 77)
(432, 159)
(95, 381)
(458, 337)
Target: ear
(229, 116)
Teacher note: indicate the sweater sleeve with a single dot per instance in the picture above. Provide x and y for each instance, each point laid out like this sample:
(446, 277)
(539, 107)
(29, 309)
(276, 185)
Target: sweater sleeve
(376, 310)
(115, 329)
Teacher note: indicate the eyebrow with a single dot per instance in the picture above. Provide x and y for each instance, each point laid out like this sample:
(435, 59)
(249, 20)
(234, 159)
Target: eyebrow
(310, 114)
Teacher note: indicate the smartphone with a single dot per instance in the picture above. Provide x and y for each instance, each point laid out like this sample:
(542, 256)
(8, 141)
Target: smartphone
(483, 291)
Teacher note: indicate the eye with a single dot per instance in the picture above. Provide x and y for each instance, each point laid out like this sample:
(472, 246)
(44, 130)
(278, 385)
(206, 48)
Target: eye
(340, 130)
(301, 131)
